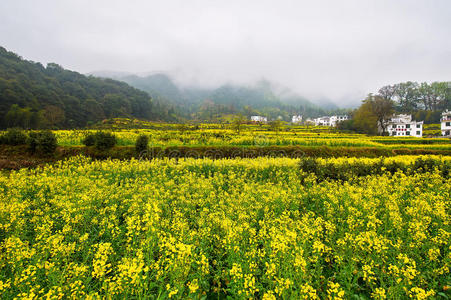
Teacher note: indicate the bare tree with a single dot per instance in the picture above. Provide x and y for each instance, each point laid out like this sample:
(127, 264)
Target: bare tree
(387, 92)
(383, 109)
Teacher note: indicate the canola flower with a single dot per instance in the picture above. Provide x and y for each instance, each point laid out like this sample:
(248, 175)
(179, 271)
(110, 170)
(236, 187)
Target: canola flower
(223, 135)
(242, 228)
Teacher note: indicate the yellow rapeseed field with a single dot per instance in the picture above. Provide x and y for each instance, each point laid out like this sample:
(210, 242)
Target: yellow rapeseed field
(214, 135)
(238, 228)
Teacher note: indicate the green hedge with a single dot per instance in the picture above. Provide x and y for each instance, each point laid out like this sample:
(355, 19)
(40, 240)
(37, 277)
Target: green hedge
(416, 141)
(333, 171)
(126, 152)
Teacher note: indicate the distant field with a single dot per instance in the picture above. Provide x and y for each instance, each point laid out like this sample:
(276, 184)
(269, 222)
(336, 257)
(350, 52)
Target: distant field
(431, 130)
(223, 141)
(169, 135)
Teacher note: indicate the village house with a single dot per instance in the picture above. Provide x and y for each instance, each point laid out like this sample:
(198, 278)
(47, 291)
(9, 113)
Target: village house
(259, 119)
(402, 125)
(309, 121)
(296, 119)
(322, 121)
(330, 120)
(335, 119)
(445, 125)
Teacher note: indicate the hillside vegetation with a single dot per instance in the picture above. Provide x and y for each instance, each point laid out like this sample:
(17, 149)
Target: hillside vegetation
(33, 96)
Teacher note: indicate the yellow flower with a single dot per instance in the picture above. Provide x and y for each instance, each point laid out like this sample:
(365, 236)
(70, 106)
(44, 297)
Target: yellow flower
(193, 286)
(269, 296)
(378, 293)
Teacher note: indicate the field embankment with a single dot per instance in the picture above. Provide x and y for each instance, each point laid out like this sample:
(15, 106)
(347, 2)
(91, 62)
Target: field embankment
(16, 157)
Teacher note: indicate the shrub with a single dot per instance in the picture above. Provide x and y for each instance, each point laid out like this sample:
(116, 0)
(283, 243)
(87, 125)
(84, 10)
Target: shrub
(309, 165)
(42, 142)
(14, 137)
(101, 140)
(332, 171)
(427, 164)
(32, 141)
(141, 144)
(104, 140)
(393, 167)
(89, 140)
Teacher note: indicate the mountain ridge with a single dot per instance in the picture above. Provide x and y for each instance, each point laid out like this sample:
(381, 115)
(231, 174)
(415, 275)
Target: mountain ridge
(262, 97)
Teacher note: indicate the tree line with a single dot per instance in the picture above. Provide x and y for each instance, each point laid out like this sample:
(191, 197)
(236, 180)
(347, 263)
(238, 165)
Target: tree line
(412, 96)
(424, 101)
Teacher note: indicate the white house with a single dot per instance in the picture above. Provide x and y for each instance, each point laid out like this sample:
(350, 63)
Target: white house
(445, 125)
(402, 125)
(259, 119)
(335, 119)
(309, 121)
(330, 121)
(296, 119)
(322, 121)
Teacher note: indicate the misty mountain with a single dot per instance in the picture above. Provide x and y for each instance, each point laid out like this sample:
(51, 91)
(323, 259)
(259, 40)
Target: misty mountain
(262, 97)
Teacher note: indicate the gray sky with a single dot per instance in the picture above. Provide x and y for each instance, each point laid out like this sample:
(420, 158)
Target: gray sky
(336, 49)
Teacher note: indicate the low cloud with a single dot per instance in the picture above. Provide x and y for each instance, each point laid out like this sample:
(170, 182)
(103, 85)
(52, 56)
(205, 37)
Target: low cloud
(339, 50)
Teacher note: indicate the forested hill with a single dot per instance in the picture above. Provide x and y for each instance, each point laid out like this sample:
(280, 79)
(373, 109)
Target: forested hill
(33, 96)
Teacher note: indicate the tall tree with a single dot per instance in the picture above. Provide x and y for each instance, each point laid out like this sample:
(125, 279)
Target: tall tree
(364, 119)
(426, 95)
(12, 116)
(373, 114)
(383, 109)
(54, 115)
(439, 90)
(276, 125)
(238, 123)
(388, 92)
(407, 95)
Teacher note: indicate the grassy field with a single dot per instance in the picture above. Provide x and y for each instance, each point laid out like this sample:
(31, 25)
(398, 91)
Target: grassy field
(237, 228)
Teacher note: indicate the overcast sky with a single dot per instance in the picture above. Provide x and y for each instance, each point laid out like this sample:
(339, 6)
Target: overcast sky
(336, 49)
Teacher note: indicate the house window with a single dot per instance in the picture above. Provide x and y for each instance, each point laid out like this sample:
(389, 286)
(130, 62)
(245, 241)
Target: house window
(418, 125)
(408, 126)
(408, 133)
(448, 123)
(418, 132)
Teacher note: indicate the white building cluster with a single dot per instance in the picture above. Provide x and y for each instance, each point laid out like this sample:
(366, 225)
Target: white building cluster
(259, 119)
(402, 125)
(445, 123)
(296, 119)
(330, 120)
